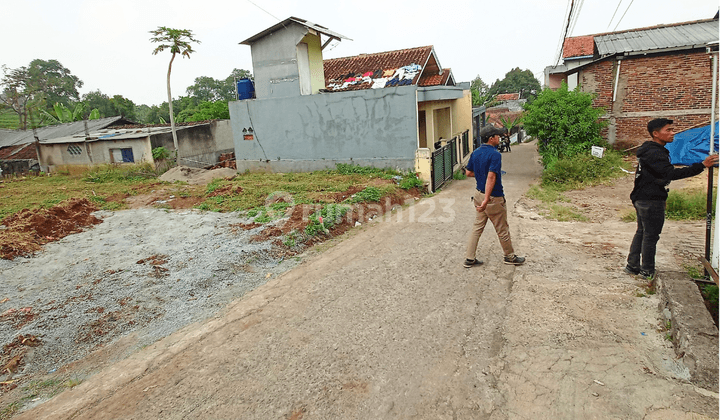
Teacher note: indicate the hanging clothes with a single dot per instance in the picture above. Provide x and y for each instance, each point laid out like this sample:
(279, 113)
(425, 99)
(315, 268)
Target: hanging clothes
(380, 83)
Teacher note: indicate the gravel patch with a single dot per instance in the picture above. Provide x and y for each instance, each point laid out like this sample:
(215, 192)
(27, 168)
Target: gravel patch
(147, 270)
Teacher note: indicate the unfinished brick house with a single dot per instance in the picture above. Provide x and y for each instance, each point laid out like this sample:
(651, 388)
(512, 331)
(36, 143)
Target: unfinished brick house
(641, 74)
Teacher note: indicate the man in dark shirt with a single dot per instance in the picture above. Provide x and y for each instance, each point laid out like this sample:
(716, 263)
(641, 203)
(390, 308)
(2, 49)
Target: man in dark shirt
(485, 165)
(652, 178)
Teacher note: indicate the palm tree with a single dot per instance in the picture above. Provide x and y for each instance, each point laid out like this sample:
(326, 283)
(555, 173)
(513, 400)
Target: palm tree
(178, 41)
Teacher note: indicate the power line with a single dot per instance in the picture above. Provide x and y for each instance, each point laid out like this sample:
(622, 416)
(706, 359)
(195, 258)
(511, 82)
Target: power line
(562, 40)
(560, 43)
(263, 10)
(614, 13)
(621, 18)
(575, 18)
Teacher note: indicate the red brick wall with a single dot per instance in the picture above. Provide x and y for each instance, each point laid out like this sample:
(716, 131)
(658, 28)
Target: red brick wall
(667, 82)
(673, 82)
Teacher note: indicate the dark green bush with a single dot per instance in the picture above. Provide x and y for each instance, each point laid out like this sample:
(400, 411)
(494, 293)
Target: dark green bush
(564, 122)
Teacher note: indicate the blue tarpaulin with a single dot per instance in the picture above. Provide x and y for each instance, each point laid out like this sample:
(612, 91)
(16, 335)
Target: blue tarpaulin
(692, 146)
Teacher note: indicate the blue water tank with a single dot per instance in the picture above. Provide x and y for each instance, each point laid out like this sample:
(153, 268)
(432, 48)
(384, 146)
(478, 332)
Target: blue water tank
(245, 89)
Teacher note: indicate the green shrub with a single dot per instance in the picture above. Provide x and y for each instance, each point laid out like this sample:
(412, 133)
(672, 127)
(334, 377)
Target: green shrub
(325, 219)
(160, 153)
(457, 175)
(564, 121)
(410, 181)
(368, 194)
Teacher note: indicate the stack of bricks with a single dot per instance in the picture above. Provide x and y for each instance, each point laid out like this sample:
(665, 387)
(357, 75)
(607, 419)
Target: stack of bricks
(227, 160)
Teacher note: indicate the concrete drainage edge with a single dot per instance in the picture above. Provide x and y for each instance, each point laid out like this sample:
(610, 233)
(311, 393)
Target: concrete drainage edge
(693, 331)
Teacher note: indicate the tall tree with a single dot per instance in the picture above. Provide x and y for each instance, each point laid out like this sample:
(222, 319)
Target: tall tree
(97, 100)
(480, 91)
(178, 42)
(517, 81)
(55, 81)
(28, 90)
(123, 107)
(208, 89)
(205, 89)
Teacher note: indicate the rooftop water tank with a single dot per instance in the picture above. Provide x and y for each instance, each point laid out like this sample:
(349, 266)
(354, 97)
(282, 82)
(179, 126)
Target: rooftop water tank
(245, 89)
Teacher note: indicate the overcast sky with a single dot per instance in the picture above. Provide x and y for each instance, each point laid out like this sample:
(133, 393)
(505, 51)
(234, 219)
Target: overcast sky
(106, 43)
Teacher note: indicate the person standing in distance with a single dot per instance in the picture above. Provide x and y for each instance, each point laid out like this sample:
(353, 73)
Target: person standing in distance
(650, 192)
(485, 165)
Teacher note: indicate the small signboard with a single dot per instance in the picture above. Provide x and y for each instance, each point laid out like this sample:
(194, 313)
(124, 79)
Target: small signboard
(248, 137)
(598, 151)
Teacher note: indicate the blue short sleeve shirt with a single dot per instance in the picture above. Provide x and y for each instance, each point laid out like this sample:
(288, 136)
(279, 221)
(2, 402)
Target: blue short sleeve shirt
(484, 159)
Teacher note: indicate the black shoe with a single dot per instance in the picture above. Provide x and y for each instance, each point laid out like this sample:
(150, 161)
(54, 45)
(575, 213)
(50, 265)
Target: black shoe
(647, 275)
(470, 263)
(513, 260)
(631, 270)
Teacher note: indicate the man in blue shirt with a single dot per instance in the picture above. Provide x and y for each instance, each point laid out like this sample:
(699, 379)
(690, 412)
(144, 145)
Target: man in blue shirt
(485, 165)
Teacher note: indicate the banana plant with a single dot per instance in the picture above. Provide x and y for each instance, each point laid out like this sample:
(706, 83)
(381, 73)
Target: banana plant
(64, 115)
(509, 122)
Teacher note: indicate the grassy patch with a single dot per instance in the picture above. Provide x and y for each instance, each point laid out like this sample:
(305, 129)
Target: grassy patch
(565, 214)
(567, 174)
(688, 205)
(628, 216)
(583, 170)
(548, 194)
(106, 189)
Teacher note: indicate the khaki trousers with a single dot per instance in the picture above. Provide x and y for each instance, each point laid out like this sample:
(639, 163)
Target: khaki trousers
(496, 211)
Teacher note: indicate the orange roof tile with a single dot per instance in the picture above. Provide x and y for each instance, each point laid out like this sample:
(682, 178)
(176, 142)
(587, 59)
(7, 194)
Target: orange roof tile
(435, 79)
(338, 70)
(508, 96)
(579, 46)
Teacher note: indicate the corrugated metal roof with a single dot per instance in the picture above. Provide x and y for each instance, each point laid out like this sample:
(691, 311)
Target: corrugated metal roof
(18, 137)
(323, 30)
(113, 134)
(687, 35)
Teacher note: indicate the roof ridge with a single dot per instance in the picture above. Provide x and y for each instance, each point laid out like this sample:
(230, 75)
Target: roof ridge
(379, 53)
(659, 26)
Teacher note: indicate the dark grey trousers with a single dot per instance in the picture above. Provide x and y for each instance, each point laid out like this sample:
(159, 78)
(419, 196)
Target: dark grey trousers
(650, 220)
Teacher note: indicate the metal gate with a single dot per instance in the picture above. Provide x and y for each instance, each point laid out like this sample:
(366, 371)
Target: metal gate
(443, 160)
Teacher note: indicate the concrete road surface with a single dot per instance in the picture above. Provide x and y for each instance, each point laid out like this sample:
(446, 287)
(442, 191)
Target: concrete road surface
(386, 323)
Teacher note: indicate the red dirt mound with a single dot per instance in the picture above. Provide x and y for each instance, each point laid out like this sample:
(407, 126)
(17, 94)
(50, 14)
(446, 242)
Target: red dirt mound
(27, 230)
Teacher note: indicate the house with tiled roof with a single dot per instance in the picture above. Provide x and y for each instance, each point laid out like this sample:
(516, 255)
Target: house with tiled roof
(502, 97)
(641, 74)
(398, 109)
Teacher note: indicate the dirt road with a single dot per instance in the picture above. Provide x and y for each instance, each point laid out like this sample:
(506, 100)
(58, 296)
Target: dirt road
(386, 323)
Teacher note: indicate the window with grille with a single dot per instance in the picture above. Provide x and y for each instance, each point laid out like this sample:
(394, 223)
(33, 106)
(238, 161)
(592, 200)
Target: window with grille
(74, 150)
